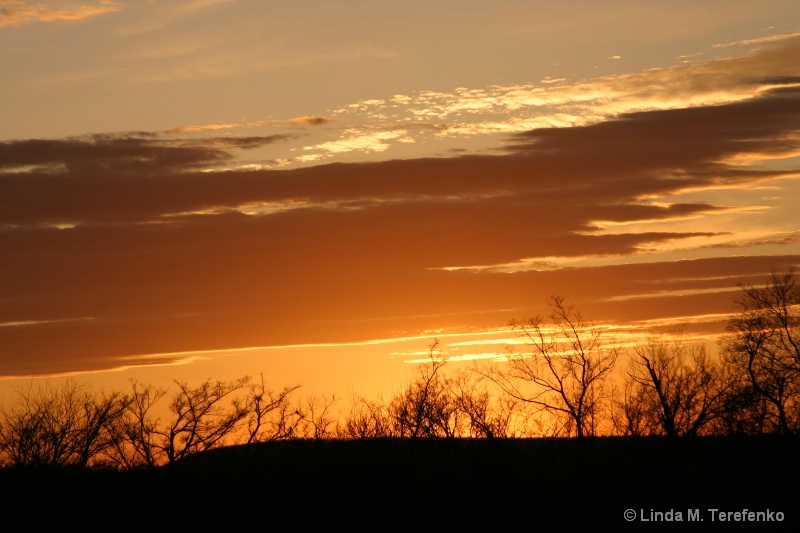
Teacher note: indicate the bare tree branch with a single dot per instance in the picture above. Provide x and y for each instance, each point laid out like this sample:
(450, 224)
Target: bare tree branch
(564, 371)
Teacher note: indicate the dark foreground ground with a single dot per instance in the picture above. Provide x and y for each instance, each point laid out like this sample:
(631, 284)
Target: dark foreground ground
(379, 485)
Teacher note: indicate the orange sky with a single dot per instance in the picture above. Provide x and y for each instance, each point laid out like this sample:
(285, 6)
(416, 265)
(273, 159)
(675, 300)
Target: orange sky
(639, 176)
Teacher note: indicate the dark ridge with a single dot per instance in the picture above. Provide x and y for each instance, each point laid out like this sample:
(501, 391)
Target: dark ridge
(411, 484)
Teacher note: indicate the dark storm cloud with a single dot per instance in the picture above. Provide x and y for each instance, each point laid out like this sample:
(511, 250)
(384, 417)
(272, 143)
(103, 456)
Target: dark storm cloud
(346, 249)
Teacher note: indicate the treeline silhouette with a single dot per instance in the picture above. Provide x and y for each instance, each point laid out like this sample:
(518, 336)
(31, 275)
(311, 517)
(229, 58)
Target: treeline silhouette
(568, 380)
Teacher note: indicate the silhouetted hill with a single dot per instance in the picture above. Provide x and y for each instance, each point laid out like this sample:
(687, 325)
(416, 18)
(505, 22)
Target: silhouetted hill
(395, 484)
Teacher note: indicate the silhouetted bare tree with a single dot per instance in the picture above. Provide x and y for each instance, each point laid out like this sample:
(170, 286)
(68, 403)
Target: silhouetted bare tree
(201, 421)
(316, 418)
(201, 418)
(485, 415)
(565, 370)
(763, 347)
(67, 425)
(426, 408)
(672, 388)
(138, 437)
(366, 419)
(434, 404)
(743, 411)
(270, 414)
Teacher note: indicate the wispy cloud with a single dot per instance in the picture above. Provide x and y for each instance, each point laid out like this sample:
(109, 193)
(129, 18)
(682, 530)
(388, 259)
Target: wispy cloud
(501, 109)
(164, 14)
(24, 13)
(357, 140)
(297, 121)
(310, 121)
(761, 40)
(123, 153)
(202, 127)
(790, 238)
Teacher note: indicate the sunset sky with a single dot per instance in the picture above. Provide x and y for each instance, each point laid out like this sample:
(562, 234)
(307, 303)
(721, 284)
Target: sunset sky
(246, 186)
